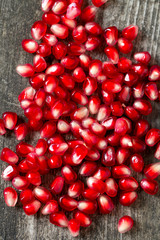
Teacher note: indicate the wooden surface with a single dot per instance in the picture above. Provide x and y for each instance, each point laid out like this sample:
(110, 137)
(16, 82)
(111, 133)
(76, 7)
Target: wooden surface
(16, 18)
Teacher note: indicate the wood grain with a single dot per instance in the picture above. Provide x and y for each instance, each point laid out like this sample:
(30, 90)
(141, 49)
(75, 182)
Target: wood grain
(16, 18)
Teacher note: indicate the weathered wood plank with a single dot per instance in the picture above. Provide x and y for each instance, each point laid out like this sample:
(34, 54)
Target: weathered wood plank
(16, 19)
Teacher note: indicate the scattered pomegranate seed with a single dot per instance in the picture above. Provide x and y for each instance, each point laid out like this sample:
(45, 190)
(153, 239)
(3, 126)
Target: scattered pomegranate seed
(149, 186)
(125, 224)
(50, 207)
(59, 219)
(10, 197)
(74, 227)
(31, 208)
(127, 198)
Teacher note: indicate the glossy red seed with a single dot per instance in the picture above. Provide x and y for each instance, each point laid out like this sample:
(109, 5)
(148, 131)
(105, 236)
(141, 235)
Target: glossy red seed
(9, 156)
(67, 203)
(128, 184)
(2, 127)
(130, 32)
(127, 198)
(44, 50)
(111, 187)
(39, 63)
(137, 162)
(111, 35)
(99, 3)
(90, 194)
(59, 50)
(75, 189)
(151, 91)
(34, 178)
(48, 129)
(59, 30)
(152, 137)
(33, 112)
(74, 227)
(29, 45)
(112, 54)
(10, 196)
(149, 186)
(142, 57)
(57, 185)
(92, 43)
(9, 173)
(122, 155)
(69, 174)
(10, 120)
(108, 157)
(154, 73)
(26, 196)
(59, 7)
(73, 11)
(157, 152)
(46, 5)
(121, 171)
(20, 183)
(79, 34)
(105, 204)
(32, 207)
(132, 113)
(125, 46)
(42, 194)
(103, 113)
(50, 18)
(124, 64)
(21, 131)
(50, 207)
(87, 206)
(152, 171)
(59, 219)
(55, 162)
(141, 128)
(96, 184)
(88, 13)
(125, 224)
(38, 30)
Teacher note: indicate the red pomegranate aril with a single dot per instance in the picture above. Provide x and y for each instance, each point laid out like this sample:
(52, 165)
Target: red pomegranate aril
(121, 126)
(50, 18)
(108, 157)
(70, 23)
(113, 139)
(131, 78)
(9, 120)
(63, 126)
(125, 46)
(99, 3)
(74, 227)
(130, 32)
(157, 152)
(102, 173)
(67, 203)
(79, 74)
(51, 82)
(69, 174)
(46, 5)
(26, 196)
(102, 143)
(141, 70)
(40, 98)
(57, 185)
(137, 162)
(142, 57)
(103, 113)
(87, 206)
(79, 97)
(75, 189)
(94, 104)
(128, 184)
(75, 49)
(26, 104)
(23, 166)
(89, 86)
(87, 122)
(37, 81)
(122, 155)
(112, 54)
(82, 218)
(75, 128)
(29, 45)
(126, 141)
(35, 125)
(93, 28)
(93, 154)
(67, 81)
(2, 128)
(48, 129)
(95, 68)
(58, 149)
(59, 7)
(50, 39)
(78, 154)
(121, 171)
(59, 50)
(70, 62)
(138, 145)
(55, 69)
(127, 198)
(20, 183)
(90, 194)
(154, 73)
(125, 94)
(32, 208)
(111, 35)
(125, 224)
(50, 207)
(39, 63)
(110, 69)
(105, 204)
(87, 168)
(152, 171)
(38, 30)
(109, 123)
(10, 196)
(84, 61)
(43, 166)
(42, 194)
(141, 128)
(98, 129)
(26, 70)
(88, 14)
(34, 178)
(92, 43)
(9, 156)
(33, 112)
(138, 90)
(44, 50)
(151, 91)
(132, 113)
(80, 114)
(111, 187)
(73, 11)
(88, 137)
(21, 131)
(111, 86)
(96, 184)
(124, 64)
(117, 109)
(59, 219)
(55, 162)
(79, 34)
(32, 161)
(59, 30)
(9, 173)
(152, 137)
(149, 186)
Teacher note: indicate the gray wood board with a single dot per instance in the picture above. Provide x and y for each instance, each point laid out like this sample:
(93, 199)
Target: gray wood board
(16, 18)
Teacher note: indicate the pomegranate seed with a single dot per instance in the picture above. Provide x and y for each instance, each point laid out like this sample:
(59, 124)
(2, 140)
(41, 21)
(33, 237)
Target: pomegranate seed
(32, 161)
(46, 5)
(21, 131)
(121, 126)
(67, 81)
(127, 198)
(79, 34)
(121, 171)
(141, 70)
(38, 30)
(112, 54)
(26, 196)
(74, 227)
(10, 196)
(92, 43)
(70, 62)
(111, 187)
(152, 171)
(67, 203)
(131, 78)
(37, 81)
(59, 7)
(75, 189)
(151, 91)
(124, 65)
(105, 204)
(34, 178)
(99, 3)
(44, 50)
(32, 207)
(132, 113)
(42, 194)
(138, 90)
(93, 28)
(55, 162)
(59, 30)
(108, 157)
(90, 194)
(73, 11)
(128, 184)
(157, 152)
(59, 219)
(94, 104)
(55, 69)
(142, 57)
(109, 123)
(122, 155)
(149, 186)
(113, 139)
(154, 73)
(39, 64)
(2, 127)
(137, 162)
(117, 109)
(102, 173)
(88, 137)
(88, 168)
(79, 97)
(141, 128)
(88, 14)
(9, 156)
(111, 86)
(35, 125)
(125, 46)
(23, 166)
(63, 126)
(58, 149)
(69, 175)
(78, 154)
(57, 185)
(9, 173)
(70, 23)
(20, 183)
(96, 184)
(143, 106)
(103, 113)
(111, 35)
(80, 113)
(50, 207)
(10, 120)
(93, 155)
(82, 218)
(130, 32)
(59, 50)
(125, 224)
(48, 129)
(75, 49)
(87, 206)
(84, 61)
(29, 45)
(33, 112)
(50, 18)
(152, 137)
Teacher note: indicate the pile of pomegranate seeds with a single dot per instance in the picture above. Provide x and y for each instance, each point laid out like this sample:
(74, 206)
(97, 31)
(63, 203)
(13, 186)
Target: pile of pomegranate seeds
(90, 118)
